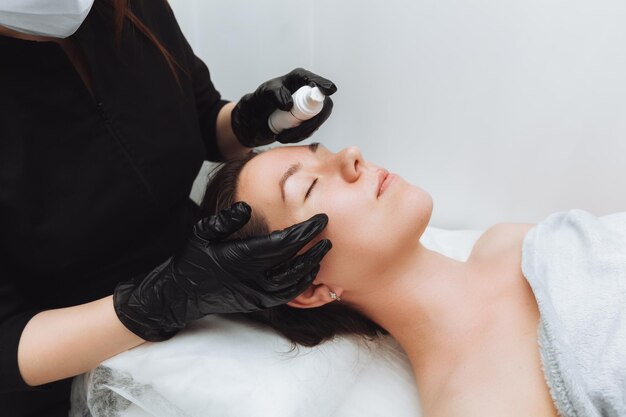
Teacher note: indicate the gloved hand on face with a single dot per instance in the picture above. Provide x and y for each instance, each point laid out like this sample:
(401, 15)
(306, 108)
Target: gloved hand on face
(212, 275)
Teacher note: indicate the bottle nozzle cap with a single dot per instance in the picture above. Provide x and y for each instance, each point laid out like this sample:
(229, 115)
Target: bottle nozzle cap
(315, 96)
(307, 102)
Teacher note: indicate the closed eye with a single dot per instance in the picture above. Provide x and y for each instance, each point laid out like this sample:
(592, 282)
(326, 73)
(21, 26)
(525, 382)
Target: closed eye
(310, 189)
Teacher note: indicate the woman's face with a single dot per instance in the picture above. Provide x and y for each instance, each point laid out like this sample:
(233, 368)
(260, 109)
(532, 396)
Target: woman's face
(369, 230)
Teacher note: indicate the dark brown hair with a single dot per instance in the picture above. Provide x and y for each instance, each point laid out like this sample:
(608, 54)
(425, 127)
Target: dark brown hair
(307, 327)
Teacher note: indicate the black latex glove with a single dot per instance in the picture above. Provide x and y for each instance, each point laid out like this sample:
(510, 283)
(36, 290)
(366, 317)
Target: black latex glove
(215, 276)
(249, 117)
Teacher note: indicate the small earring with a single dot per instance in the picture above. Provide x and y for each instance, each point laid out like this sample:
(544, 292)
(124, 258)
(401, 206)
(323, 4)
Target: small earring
(334, 296)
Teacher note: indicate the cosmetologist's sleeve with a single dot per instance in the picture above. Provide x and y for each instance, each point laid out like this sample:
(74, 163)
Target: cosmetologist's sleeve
(14, 315)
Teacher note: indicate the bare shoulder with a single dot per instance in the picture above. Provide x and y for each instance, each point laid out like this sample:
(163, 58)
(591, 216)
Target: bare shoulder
(500, 239)
(503, 375)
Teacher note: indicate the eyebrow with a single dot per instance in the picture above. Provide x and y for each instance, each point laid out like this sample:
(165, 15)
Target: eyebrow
(293, 169)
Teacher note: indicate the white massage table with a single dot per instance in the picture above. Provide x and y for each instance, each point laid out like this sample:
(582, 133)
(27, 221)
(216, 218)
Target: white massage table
(220, 366)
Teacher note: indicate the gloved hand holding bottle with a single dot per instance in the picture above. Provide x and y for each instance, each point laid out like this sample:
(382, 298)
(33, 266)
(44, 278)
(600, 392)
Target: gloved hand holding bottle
(212, 275)
(249, 118)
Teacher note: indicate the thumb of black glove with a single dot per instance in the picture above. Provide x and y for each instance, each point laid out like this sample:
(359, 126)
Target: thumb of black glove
(223, 224)
(250, 115)
(212, 275)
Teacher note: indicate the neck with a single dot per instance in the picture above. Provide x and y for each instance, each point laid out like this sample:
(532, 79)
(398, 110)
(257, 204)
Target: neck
(434, 306)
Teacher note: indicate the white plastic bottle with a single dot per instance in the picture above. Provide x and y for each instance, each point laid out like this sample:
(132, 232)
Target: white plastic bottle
(307, 103)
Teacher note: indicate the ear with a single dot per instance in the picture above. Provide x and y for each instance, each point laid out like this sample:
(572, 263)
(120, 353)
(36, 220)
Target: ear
(315, 296)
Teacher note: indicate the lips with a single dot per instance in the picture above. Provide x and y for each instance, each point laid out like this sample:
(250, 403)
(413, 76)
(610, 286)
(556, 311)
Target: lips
(382, 176)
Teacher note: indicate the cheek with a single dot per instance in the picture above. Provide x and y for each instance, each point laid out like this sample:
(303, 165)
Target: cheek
(347, 217)
(367, 237)
(355, 230)
(369, 226)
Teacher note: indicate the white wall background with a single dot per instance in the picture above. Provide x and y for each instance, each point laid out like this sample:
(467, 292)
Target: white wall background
(503, 110)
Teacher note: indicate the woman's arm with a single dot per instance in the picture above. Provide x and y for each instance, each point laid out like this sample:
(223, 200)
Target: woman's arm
(65, 342)
(227, 142)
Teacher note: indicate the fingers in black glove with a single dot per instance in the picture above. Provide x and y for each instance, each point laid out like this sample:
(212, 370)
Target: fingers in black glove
(224, 223)
(291, 293)
(275, 94)
(299, 77)
(290, 279)
(282, 245)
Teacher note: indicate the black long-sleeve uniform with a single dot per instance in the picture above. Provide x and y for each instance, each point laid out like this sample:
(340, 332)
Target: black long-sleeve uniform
(93, 188)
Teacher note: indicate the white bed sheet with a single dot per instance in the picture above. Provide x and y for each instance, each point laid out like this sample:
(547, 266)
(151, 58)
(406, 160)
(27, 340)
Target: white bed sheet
(220, 366)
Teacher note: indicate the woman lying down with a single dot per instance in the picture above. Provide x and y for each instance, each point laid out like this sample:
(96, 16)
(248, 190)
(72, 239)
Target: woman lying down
(532, 324)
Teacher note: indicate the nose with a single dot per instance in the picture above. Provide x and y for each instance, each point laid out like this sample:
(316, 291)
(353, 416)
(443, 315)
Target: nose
(351, 163)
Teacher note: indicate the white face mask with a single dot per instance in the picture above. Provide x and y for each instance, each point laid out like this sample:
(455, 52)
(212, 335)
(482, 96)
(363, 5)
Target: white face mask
(53, 18)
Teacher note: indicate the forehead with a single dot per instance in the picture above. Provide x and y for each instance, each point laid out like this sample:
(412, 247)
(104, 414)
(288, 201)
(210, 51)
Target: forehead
(259, 178)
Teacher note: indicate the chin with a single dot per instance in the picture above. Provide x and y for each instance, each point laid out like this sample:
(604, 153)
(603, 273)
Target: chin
(425, 210)
(429, 210)
(413, 213)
